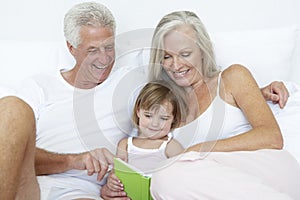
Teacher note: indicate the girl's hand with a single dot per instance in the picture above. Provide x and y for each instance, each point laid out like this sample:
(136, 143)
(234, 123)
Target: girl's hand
(113, 183)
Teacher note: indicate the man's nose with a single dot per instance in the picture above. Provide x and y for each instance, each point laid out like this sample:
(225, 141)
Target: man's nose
(103, 58)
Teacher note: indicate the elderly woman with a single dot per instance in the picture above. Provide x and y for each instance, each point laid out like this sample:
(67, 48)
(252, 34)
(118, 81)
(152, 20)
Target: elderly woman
(227, 114)
(182, 54)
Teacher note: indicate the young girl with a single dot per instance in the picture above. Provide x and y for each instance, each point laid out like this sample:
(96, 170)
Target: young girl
(158, 109)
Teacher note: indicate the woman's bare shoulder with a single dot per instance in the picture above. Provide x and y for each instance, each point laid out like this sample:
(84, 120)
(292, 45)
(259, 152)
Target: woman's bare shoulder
(236, 73)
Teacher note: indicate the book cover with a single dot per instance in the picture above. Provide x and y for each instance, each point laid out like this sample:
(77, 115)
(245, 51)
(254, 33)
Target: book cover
(136, 183)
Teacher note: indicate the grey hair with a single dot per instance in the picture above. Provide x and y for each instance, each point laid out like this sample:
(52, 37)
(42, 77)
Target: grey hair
(170, 22)
(86, 14)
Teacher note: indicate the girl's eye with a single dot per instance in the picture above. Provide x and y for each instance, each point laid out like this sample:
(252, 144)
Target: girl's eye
(147, 115)
(165, 118)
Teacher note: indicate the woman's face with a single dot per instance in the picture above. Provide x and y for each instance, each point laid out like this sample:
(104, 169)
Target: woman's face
(156, 122)
(182, 57)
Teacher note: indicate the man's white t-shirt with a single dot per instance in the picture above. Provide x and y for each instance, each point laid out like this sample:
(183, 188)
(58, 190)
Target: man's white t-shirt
(71, 120)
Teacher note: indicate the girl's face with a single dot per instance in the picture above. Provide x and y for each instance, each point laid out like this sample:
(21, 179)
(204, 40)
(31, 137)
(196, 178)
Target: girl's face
(155, 123)
(182, 57)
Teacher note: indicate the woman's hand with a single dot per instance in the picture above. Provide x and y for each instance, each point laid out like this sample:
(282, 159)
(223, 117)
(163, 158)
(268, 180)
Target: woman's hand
(276, 92)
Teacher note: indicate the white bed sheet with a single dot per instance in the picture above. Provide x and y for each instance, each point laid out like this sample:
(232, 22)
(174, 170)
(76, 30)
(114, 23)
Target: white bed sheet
(289, 120)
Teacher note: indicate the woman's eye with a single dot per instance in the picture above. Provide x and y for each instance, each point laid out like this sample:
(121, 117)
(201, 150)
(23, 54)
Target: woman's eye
(185, 54)
(167, 57)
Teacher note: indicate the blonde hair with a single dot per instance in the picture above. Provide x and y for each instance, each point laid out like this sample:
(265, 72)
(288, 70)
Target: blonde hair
(171, 22)
(156, 93)
(86, 14)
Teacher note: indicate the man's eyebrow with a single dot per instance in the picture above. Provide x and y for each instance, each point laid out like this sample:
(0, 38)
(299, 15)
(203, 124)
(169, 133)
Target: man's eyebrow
(92, 47)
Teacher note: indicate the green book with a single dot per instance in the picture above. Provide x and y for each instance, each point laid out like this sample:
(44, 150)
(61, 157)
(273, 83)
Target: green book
(136, 184)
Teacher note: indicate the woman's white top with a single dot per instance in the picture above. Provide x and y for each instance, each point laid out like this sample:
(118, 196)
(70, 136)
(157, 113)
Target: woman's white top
(220, 120)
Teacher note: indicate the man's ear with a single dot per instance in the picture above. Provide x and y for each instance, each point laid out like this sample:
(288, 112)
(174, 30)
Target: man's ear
(71, 48)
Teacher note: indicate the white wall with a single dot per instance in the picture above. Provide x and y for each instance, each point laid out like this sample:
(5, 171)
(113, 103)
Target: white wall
(296, 68)
(42, 19)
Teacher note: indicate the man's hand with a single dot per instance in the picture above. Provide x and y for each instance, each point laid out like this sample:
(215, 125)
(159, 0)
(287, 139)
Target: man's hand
(95, 161)
(276, 92)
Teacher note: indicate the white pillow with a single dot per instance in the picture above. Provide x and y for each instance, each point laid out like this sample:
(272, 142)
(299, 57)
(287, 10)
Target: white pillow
(288, 119)
(6, 91)
(267, 53)
(21, 59)
(65, 58)
(130, 48)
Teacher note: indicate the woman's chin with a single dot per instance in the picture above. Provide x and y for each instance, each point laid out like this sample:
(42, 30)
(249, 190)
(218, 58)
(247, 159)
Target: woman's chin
(182, 83)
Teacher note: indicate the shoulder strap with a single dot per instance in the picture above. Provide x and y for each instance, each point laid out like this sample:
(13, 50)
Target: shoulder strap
(218, 86)
(129, 141)
(164, 144)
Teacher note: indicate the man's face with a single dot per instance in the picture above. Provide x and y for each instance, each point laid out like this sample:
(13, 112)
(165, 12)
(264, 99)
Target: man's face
(95, 54)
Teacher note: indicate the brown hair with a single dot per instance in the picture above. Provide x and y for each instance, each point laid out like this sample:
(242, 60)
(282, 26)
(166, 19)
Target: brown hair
(158, 92)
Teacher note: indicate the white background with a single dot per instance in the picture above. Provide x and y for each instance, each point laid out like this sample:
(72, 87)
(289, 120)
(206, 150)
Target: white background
(42, 20)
